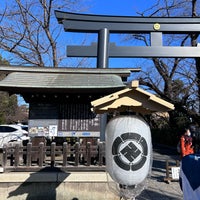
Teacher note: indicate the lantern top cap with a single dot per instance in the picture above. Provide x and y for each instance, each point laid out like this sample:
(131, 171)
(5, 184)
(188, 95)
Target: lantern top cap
(132, 99)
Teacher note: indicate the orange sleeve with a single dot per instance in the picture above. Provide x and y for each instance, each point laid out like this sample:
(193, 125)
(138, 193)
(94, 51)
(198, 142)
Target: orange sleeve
(182, 144)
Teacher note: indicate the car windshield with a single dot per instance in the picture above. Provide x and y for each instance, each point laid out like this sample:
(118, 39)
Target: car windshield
(5, 129)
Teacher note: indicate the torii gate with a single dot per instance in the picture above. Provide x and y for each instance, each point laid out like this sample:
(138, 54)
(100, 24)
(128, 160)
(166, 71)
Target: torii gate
(106, 25)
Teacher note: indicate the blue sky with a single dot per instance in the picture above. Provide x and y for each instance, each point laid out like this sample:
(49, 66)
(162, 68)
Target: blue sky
(119, 7)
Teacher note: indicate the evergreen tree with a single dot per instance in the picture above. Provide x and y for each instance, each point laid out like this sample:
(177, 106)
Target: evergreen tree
(8, 104)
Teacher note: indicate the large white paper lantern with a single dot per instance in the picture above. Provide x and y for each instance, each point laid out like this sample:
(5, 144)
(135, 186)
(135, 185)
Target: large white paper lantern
(128, 150)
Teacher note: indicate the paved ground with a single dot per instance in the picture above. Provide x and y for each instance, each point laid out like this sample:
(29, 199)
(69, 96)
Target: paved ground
(157, 188)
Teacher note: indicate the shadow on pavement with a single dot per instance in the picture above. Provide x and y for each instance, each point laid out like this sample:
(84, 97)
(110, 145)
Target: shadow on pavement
(153, 195)
(36, 189)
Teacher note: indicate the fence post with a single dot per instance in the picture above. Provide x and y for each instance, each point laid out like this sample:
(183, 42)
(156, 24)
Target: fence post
(64, 154)
(167, 169)
(28, 154)
(5, 155)
(88, 153)
(100, 153)
(11, 152)
(77, 145)
(53, 148)
(41, 154)
(16, 155)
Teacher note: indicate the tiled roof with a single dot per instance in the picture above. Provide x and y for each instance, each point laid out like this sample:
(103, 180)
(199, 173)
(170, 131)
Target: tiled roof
(20, 81)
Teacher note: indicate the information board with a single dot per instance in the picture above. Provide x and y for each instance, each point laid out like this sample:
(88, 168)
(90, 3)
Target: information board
(78, 117)
(63, 120)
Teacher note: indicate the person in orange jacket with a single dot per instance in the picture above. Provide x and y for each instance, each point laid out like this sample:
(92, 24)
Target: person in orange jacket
(186, 143)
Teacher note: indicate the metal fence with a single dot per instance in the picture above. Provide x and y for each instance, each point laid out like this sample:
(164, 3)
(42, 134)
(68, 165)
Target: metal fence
(77, 157)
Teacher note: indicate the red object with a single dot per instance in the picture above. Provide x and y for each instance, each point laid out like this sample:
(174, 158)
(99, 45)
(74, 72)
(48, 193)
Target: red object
(186, 145)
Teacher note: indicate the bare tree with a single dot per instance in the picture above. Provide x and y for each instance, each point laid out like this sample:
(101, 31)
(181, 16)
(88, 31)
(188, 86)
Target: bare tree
(30, 32)
(175, 79)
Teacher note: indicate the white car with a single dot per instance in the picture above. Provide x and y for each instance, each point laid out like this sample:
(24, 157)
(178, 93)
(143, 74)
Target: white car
(12, 133)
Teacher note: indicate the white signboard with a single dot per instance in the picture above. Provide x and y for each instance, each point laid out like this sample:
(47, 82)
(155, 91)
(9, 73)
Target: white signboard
(53, 130)
(175, 172)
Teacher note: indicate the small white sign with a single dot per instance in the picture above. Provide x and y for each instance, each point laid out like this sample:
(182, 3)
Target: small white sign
(53, 130)
(175, 172)
(1, 169)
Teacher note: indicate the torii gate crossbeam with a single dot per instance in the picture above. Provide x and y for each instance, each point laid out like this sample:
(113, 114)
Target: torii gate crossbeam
(105, 25)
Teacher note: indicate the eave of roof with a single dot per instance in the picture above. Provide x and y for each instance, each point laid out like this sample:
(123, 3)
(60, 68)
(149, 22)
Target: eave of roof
(132, 99)
(122, 72)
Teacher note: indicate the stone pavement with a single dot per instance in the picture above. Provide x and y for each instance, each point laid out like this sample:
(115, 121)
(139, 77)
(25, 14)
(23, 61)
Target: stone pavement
(157, 188)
